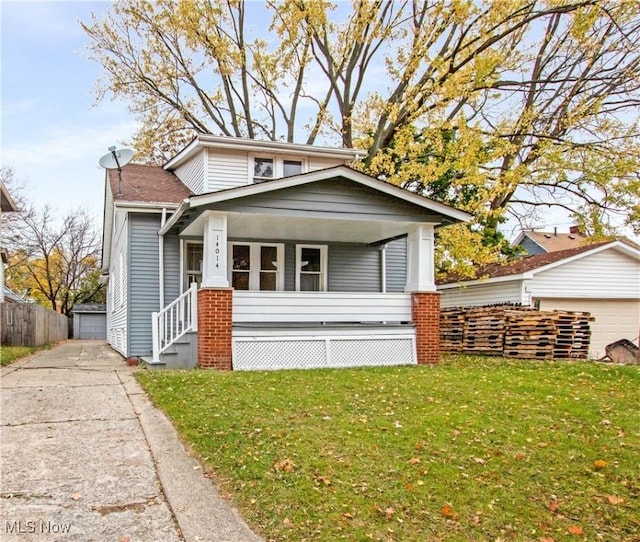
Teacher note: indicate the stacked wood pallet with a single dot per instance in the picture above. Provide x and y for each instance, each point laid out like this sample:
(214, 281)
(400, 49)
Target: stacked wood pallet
(573, 334)
(452, 329)
(515, 332)
(484, 329)
(530, 335)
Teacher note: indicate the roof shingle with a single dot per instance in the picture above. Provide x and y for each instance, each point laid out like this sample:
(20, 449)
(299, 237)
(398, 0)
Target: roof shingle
(522, 265)
(553, 241)
(147, 184)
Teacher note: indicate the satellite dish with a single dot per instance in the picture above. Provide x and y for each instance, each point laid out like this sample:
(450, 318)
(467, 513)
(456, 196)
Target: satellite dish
(115, 160)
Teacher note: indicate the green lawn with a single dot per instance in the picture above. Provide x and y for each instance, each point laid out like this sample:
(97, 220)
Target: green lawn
(472, 449)
(9, 354)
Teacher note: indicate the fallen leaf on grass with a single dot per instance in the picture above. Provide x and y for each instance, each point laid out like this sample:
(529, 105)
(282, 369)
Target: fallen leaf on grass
(599, 464)
(553, 506)
(614, 500)
(414, 461)
(576, 530)
(546, 539)
(448, 512)
(286, 465)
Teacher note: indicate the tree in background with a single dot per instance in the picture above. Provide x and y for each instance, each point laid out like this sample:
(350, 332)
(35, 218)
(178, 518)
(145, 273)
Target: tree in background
(542, 96)
(55, 261)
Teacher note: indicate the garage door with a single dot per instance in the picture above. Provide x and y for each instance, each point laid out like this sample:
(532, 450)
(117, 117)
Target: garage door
(91, 326)
(614, 319)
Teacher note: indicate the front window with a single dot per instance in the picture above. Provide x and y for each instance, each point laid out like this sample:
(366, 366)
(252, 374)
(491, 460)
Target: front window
(256, 266)
(311, 265)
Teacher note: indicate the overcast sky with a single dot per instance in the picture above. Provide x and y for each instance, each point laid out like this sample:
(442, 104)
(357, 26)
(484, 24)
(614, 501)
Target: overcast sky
(52, 132)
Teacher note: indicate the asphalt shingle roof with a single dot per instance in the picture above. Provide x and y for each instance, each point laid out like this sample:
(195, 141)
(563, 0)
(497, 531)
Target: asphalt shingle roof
(522, 265)
(147, 184)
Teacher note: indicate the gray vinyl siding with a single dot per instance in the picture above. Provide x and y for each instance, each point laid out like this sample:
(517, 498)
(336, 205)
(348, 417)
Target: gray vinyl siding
(171, 268)
(117, 321)
(354, 268)
(144, 280)
(396, 258)
(336, 198)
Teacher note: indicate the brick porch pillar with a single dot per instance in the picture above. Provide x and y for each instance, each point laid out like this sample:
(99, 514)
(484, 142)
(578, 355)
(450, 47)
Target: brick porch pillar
(214, 328)
(425, 313)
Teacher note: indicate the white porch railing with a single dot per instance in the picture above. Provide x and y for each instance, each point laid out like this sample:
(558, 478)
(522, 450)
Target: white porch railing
(334, 307)
(172, 322)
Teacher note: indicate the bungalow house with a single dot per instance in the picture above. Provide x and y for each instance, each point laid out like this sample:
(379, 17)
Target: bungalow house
(244, 254)
(602, 279)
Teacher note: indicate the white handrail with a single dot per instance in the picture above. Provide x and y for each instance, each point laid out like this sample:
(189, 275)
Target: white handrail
(172, 322)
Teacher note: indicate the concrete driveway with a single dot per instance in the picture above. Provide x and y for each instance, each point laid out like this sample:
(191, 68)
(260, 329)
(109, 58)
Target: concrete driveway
(85, 457)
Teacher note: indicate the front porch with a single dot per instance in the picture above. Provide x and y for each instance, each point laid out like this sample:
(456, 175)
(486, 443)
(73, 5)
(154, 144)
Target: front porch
(297, 273)
(277, 330)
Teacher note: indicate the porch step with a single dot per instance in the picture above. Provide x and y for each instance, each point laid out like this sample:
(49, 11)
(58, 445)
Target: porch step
(147, 363)
(182, 354)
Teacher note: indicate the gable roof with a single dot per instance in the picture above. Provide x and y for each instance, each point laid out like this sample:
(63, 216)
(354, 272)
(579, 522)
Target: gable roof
(450, 214)
(146, 184)
(203, 141)
(552, 241)
(530, 265)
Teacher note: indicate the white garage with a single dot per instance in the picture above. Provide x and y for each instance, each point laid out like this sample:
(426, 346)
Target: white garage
(90, 321)
(614, 319)
(602, 279)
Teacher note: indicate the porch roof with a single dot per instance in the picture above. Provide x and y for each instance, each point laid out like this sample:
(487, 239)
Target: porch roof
(336, 204)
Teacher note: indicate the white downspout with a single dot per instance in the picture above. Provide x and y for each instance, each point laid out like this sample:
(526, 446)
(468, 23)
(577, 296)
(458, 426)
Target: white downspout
(163, 220)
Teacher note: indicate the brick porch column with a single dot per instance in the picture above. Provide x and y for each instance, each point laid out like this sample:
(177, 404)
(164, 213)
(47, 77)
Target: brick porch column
(425, 313)
(214, 328)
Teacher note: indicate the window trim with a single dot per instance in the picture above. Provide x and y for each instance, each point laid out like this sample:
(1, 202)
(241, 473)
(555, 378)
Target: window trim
(324, 261)
(254, 272)
(278, 165)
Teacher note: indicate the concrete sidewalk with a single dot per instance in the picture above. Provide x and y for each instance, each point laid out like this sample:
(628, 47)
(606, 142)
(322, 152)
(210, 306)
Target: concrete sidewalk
(86, 457)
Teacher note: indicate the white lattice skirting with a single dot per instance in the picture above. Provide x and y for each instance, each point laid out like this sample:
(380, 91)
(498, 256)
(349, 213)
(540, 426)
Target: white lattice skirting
(281, 351)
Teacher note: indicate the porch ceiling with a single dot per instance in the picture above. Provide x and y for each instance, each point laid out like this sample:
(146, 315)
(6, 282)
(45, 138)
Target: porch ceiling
(296, 228)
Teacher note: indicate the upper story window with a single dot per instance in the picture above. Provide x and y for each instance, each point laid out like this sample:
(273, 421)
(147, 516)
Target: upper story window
(263, 168)
(267, 168)
(291, 167)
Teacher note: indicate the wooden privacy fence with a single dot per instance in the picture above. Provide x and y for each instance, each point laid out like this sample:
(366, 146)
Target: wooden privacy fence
(28, 324)
(515, 332)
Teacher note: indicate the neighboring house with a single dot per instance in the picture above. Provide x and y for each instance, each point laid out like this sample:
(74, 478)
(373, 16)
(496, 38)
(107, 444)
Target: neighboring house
(603, 279)
(10, 296)
(90, 321)
(6, 205)
(539, 242)
(248, 254)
